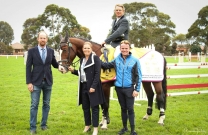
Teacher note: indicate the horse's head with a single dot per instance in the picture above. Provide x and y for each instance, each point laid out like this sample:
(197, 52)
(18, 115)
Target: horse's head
(72, 47)
(68, 52)
(64, 42)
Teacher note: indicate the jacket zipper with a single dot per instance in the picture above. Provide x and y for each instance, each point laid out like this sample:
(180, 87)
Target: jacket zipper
(123, 73)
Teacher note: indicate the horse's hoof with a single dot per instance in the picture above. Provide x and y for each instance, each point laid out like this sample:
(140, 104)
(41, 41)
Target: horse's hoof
(104, 128)
(162, 124)
(146, 117)
(101, 123)
(161, 120)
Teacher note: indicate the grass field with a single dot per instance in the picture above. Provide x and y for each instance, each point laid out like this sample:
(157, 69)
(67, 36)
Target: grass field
(185, 115)
(175, 59)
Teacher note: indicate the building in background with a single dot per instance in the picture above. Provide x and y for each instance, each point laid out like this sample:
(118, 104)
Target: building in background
(18, 49)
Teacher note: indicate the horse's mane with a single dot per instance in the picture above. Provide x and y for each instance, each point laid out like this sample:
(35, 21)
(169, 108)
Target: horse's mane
(86, 40)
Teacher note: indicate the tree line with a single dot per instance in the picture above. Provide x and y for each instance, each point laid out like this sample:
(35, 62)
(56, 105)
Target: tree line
(147, 26)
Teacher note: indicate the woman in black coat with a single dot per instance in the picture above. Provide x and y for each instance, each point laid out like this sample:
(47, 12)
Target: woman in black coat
(90, 93)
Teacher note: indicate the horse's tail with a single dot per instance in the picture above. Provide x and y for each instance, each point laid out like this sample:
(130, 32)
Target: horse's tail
(164, 83)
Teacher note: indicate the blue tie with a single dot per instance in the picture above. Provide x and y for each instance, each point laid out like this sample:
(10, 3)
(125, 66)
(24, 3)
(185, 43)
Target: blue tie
(43, 55)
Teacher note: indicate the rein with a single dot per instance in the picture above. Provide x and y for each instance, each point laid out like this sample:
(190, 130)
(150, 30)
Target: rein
(98, 48)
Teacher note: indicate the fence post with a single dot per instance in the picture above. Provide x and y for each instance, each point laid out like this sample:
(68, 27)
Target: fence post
(25, 57)
(203, 58)
(111, 92)
(180, 57)
(198, 56)
(189, 56)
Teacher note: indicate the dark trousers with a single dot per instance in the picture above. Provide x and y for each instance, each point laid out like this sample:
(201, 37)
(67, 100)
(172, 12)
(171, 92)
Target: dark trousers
(126, 101)
(87, 108)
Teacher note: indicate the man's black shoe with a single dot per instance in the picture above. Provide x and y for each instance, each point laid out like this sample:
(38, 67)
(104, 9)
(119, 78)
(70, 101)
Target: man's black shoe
(44, 128)
(133, 133)
(122, 131)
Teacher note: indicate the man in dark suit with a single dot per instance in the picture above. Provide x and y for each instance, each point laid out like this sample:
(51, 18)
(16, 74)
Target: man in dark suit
(39, 77)
(120, 28)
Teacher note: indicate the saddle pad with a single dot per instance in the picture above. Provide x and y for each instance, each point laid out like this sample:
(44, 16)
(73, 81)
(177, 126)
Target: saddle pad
(108, 74)
(152, 64)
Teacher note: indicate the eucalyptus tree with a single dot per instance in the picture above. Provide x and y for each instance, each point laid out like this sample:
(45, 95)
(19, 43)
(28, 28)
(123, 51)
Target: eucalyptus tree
(181, 41)
(149, 26)
(173, 48)
(199, 29)
(2, 47)
(5, 49)
(180, 38)
(195, 48)
(55, 21)
(82, 32)
(58, 20)
(31, 28)
(6, 33)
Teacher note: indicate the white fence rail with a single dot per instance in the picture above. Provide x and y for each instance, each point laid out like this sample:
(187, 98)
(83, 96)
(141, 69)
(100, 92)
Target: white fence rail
(191, 65)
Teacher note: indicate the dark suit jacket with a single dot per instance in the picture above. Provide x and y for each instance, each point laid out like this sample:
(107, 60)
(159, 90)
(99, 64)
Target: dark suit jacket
(35, 68)
(118, 29)
(92, 70)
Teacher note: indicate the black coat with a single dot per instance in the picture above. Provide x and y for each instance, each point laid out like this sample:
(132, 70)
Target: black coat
(92, 70)
(36, 69)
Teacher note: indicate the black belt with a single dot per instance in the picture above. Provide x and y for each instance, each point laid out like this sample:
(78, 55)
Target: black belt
(44, 79)
(125, 87)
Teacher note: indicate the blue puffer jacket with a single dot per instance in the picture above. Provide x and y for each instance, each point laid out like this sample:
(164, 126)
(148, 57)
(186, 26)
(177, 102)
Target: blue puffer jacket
(128, 71)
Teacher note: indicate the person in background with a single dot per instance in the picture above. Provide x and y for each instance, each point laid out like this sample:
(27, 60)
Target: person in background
(90, 89)
(127, 83)
(120, 29)
(39, 77)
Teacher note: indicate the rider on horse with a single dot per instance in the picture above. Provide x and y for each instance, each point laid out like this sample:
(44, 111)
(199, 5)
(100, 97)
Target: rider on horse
(120, 29)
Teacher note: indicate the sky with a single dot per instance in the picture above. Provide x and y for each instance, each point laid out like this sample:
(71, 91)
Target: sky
(96, 14)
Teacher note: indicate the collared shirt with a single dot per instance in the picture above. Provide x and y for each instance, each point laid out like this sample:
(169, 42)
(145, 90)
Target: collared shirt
(117, 19)
(40, 50)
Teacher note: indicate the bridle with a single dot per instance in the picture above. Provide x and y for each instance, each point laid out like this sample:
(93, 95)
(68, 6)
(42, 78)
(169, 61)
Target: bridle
(67, 61)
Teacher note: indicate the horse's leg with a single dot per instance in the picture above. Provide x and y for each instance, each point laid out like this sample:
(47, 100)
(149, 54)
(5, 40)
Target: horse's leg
(105, 106)
(160, 99)
(150, 95)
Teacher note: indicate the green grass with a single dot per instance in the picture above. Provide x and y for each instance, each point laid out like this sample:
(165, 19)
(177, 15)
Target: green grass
(185, 115)
(186, 72)
(195, 80)
(173, 59)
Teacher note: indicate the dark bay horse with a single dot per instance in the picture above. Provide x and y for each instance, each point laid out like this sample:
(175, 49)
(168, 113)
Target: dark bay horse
(72, 47)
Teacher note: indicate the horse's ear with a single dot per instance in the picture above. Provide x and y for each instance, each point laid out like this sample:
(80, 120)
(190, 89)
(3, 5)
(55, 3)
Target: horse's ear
(66, 37)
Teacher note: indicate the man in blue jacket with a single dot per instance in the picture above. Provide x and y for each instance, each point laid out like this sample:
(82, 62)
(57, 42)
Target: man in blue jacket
(39, 77)
(127, 83)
